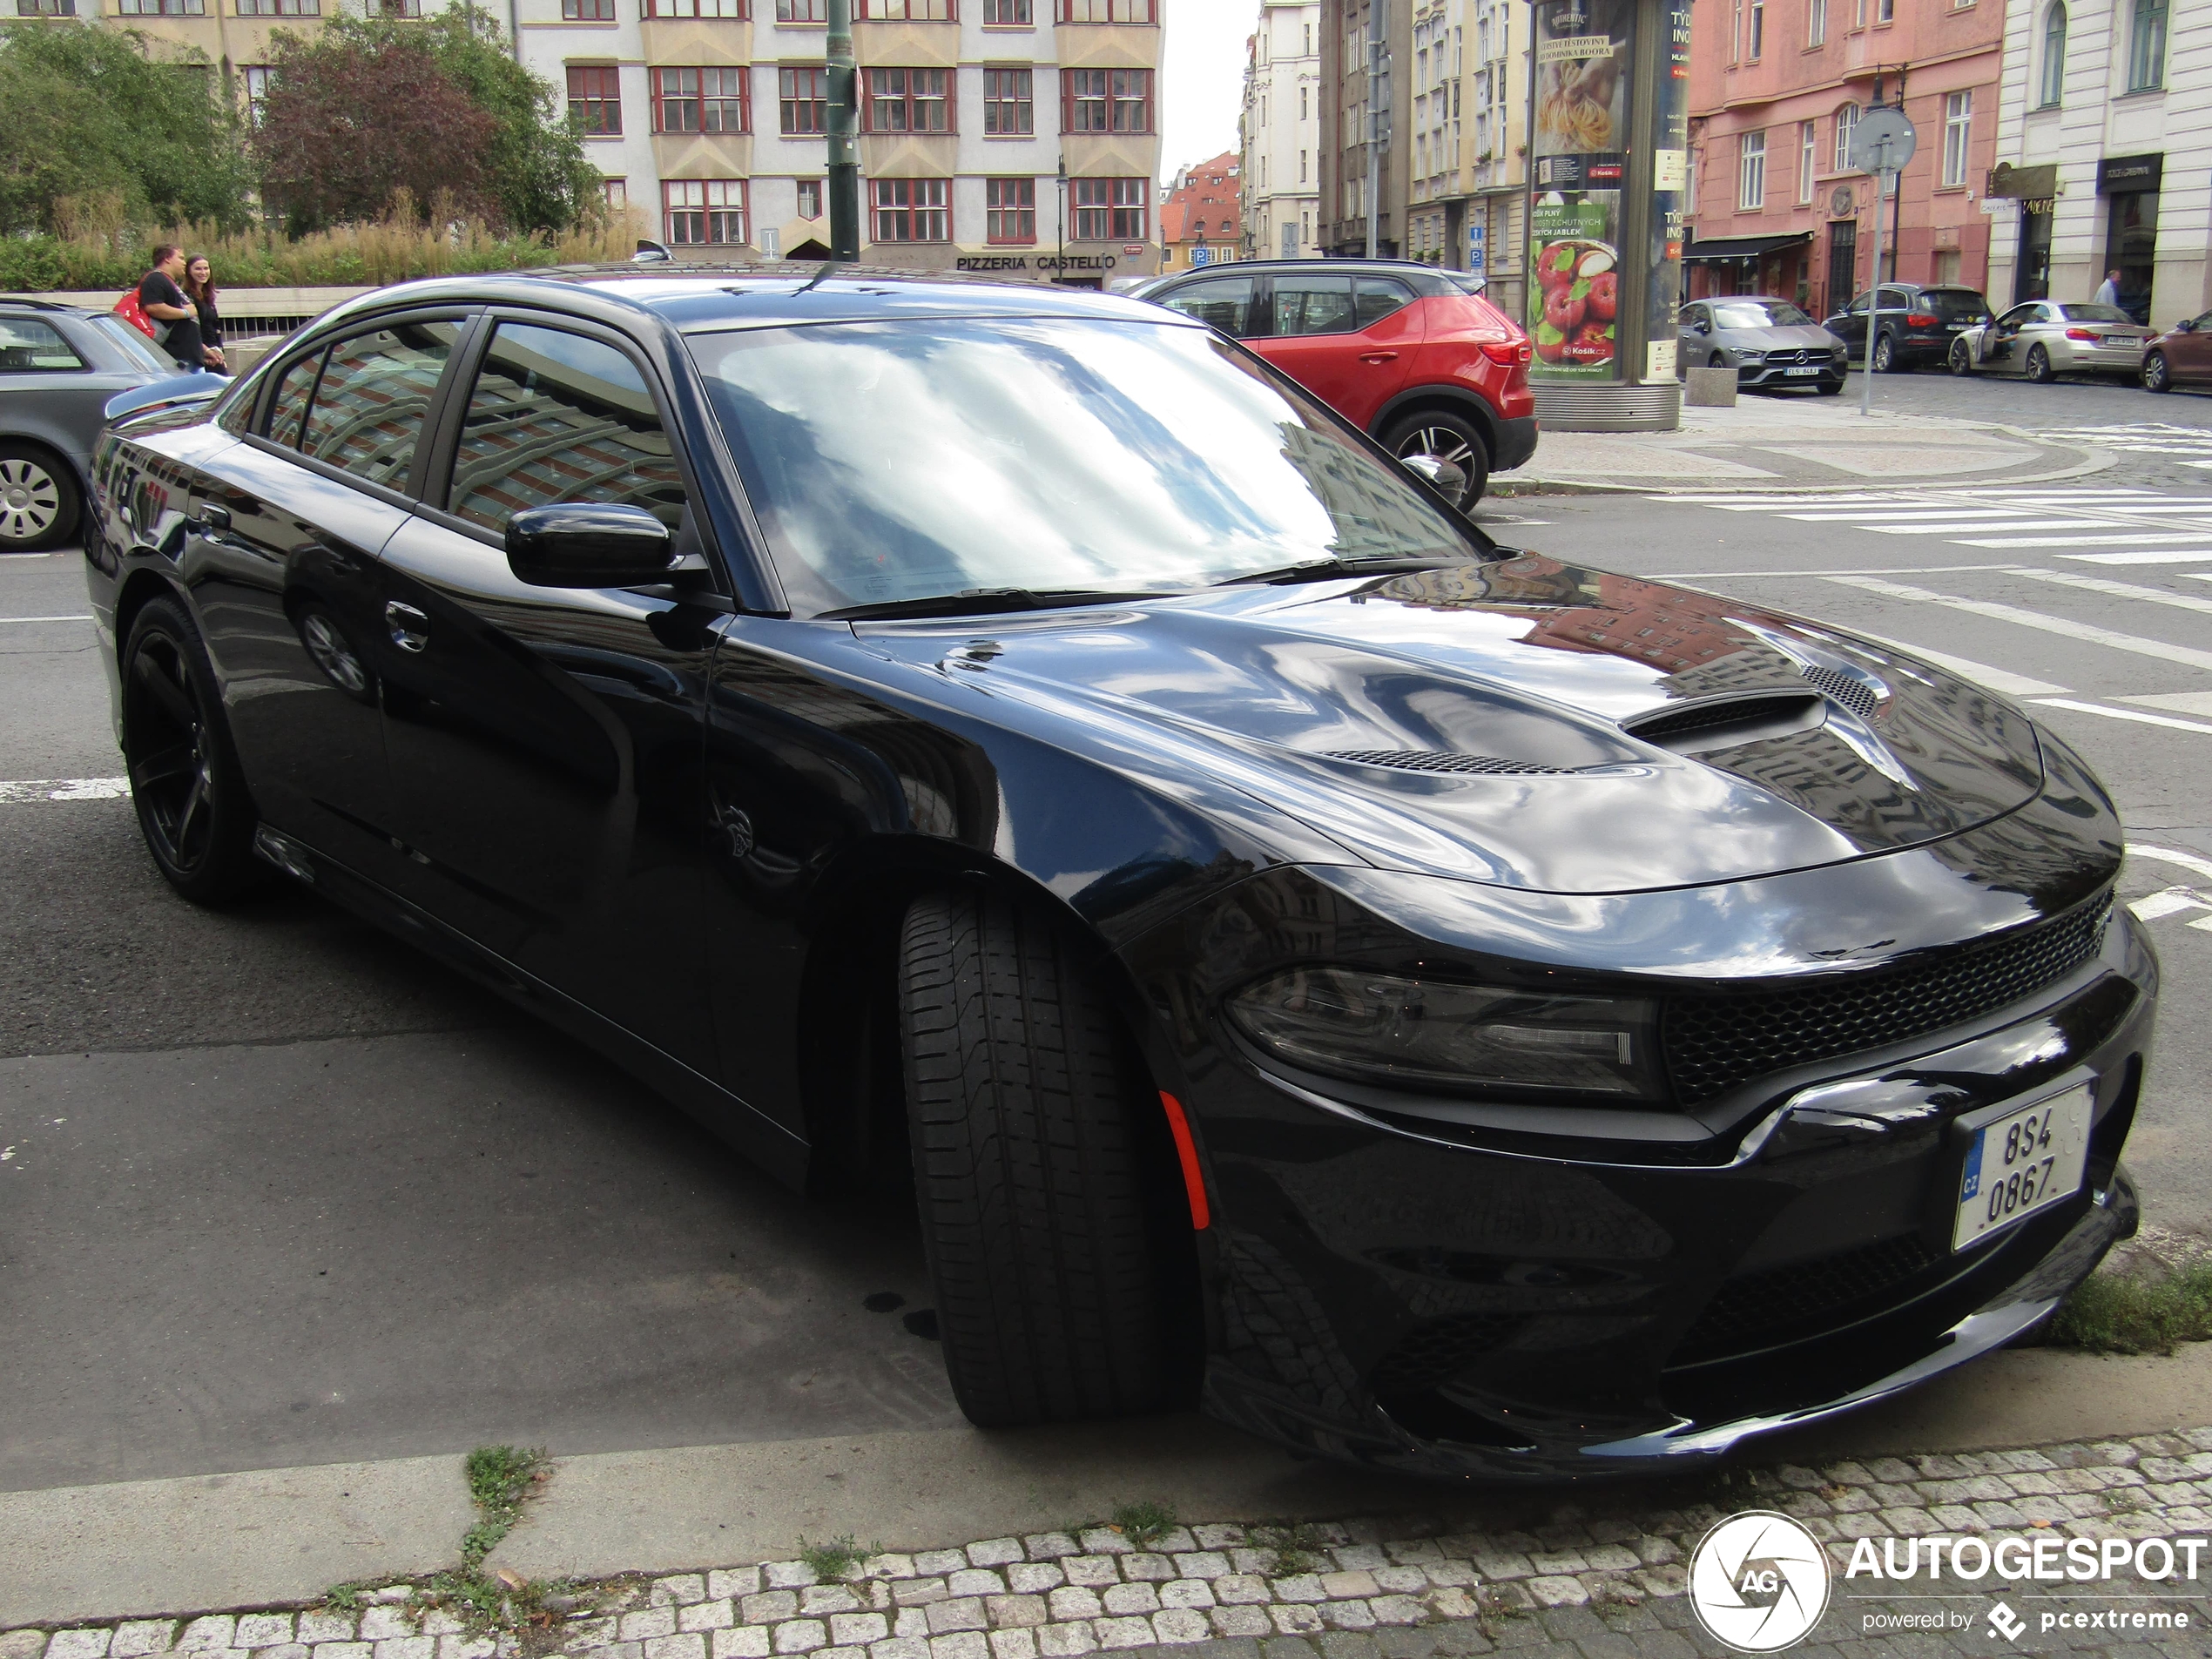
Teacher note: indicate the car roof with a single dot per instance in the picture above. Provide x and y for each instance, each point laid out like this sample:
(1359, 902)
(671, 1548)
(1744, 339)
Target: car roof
(690, 297)
(26, 303)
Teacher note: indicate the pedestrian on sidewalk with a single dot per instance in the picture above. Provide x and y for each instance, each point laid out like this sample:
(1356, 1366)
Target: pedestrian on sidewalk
(164, 301)
(2109, 293)
(200, 288)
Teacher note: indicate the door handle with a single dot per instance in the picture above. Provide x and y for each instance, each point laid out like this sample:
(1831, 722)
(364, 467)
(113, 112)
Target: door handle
(410, 628)
(1378, 356)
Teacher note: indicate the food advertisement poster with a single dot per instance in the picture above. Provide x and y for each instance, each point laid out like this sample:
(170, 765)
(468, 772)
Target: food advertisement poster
(1576, 297)
(1582, 83)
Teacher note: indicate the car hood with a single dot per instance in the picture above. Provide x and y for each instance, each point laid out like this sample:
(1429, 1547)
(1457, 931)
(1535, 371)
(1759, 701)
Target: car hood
(1495, 722)
(1796, 336)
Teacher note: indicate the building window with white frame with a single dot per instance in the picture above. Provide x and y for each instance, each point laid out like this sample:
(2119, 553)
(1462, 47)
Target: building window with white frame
(1759, 30)
(1846, 124)
(1958, 133)
(257, 91)
(1884, 10)
(1816, 23)
(613, 194)
(2147, 47)
(1808, 158)
(703, 213)
(1750, 172)
(2054, 80)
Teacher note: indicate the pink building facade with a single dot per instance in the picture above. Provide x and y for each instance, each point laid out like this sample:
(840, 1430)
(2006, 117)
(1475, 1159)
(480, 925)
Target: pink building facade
(1774, 88)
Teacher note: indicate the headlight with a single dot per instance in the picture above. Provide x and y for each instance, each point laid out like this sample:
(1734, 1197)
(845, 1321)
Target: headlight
(1427, 1035)
(1751, 356)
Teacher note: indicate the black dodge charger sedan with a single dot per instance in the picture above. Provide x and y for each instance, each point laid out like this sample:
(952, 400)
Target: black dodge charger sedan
(1441, 1006)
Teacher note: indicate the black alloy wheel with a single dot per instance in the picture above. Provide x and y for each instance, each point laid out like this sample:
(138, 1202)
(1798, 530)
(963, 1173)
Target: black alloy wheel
(2039, 366)
(39, 500)
(1445, 437)
(191, 800)
(1962, 359)
(2158, 376)
(1718, 360)
(1886, 355)
(1059, 1244)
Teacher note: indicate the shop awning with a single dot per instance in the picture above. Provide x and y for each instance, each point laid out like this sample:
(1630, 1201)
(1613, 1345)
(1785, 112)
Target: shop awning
(1742, 247)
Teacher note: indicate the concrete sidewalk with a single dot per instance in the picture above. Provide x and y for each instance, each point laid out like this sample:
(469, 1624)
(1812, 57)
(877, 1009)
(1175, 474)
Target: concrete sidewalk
(281, 1536)
(1794, 442)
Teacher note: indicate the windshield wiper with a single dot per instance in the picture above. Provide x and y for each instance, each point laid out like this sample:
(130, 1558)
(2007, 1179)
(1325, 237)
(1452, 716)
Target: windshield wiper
(1329, 569)
(980, 601)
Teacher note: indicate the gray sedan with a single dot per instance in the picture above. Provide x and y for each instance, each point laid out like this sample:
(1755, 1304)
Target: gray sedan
(2044, 339)
(59, 365)
(1768, 342)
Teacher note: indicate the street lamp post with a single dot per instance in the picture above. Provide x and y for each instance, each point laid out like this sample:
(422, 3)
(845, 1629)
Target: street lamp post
(843, 91)
(1060, 273)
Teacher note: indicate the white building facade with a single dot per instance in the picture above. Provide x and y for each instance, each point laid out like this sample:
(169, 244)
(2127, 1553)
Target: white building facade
(2104, 144)
(1281, 129)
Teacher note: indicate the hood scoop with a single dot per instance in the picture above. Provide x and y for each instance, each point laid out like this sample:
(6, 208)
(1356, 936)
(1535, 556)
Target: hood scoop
(1445, 760)
(1728, 721)
(1861, 697)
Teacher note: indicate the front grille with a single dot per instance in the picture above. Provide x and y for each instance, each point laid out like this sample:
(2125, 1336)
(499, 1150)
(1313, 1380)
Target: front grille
(1753, 1309)
(1713, 1043)
(1674, 722)
(1854, 694)
(1434, 1352)
(1444, 760)
(1796, 357)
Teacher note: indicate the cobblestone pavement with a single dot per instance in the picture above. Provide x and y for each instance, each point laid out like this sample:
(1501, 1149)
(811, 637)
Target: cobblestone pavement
(1601, 1576)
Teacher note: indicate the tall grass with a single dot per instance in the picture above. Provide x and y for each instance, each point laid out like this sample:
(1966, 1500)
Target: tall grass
(98, 248)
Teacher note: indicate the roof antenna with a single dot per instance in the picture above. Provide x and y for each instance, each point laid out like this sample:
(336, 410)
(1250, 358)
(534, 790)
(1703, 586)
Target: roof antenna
(821, 276)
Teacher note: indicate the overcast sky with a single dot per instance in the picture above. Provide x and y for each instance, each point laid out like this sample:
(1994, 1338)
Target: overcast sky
(1203, 79)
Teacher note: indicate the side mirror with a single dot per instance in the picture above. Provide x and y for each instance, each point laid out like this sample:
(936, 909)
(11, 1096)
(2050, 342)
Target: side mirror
(651, 252)
(1444, 477)
(2186, 326)
(1703, 327)
(589, 544)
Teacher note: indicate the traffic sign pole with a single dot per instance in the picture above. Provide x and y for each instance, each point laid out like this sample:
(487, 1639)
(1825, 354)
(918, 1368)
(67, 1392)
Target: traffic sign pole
(1881, 143)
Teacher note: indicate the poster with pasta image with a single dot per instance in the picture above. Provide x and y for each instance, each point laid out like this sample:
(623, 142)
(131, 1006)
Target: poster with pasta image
(1582, 81)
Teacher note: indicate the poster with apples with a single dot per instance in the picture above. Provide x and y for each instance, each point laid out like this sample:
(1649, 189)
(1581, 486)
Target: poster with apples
(1572, 302)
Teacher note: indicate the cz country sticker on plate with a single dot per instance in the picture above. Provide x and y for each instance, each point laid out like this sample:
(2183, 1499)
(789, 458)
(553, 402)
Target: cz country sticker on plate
(2026, 1159)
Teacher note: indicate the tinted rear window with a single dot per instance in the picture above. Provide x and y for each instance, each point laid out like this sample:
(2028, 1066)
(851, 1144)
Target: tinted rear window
(1956, 305)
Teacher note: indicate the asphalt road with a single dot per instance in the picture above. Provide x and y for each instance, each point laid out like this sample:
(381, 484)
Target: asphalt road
(274, 1190)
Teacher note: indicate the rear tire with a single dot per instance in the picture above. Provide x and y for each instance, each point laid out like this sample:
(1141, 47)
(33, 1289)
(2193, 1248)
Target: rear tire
(40, 503)
(1448, 437)
(2158, 374)
(2039, 366)
(185, 782)
(1048, 1231)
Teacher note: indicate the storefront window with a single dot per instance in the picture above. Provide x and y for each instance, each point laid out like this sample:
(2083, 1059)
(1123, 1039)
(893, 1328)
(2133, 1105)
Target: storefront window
(2132, 245)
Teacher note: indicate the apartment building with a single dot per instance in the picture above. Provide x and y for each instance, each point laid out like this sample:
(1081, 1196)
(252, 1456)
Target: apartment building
(2102, 103)
(1775, 90)
(1280, 128)
(1202, 220)
(1001, 135)
(1363, 44)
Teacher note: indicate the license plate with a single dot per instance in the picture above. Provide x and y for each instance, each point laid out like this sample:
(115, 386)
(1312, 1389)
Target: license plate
(1813, 369)
(2023, 1162)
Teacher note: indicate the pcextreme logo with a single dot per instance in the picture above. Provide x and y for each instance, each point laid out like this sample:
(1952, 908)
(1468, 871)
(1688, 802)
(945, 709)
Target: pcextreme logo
(1758, 1582)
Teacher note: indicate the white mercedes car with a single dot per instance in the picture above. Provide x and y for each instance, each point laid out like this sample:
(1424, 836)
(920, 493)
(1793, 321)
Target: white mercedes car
(2044, 339)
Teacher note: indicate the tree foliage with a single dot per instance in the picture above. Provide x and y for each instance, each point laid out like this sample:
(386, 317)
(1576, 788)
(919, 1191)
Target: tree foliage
(89, 112)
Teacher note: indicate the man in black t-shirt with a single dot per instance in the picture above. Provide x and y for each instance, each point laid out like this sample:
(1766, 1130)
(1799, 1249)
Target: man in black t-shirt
(165, 303)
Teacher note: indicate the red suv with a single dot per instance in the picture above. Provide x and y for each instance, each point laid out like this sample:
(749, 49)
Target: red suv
(1414, 356)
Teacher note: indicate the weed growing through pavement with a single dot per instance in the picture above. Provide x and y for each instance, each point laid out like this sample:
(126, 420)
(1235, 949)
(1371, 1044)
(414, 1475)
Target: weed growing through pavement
(835, 1559)
(500, 1477)
(2137, 1312)
(1143, 1522)
(1297, 1548)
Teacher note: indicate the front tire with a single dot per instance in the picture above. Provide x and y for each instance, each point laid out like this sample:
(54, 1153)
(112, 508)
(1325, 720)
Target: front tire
(2158, 374)
(40, 503)
(1962, 359)
(185, 782)
(1047, 1230)
(2039, 366)
(1886, 355)
(1445, 437)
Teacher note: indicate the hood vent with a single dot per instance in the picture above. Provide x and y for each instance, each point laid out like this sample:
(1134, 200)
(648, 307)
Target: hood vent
(1445, 760)
(1852, 692)
(1726, 722)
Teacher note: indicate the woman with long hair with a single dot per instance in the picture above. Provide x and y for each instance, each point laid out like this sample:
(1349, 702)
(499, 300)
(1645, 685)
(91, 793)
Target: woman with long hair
(199, 287)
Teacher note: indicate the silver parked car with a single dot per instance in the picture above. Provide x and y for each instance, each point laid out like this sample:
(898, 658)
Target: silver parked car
(1768, 342)
(2044, 339)
(59, 365)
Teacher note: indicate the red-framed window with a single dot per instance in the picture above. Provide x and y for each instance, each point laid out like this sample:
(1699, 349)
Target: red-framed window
(1010, 103)
(1109, 11)
(587, 10)
(1009, 14)
(802, 98)
(1111, 210)
(908, 11)
(735, 10)
(595, 99)
(704, 212)
(912, 210)
(910, 100)
(703, 100)
(1105, 100)
(1010, 210)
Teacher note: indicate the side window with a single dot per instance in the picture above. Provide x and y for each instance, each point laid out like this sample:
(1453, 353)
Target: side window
(1313, 304)
(373, 397)
(556, 417)
(1375, 298)
(2203, 324)
(1226, 302)
(289, 405)
(2016, 316)
(1859, 307)
(28, 346)
(1895, 299)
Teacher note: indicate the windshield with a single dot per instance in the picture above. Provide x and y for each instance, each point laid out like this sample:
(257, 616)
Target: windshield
(132, 344)
(893, 461)
(1764, 314)
(2095, 314)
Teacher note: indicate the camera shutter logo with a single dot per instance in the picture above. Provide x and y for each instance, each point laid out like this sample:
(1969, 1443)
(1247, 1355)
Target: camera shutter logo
(1758, 1582)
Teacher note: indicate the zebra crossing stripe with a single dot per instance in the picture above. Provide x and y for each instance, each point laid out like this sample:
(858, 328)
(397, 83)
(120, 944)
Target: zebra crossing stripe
(2135, 715)
(2158, 556)
(2023, 525)
(2119, 589)
(2137, 540)
(2087, 633)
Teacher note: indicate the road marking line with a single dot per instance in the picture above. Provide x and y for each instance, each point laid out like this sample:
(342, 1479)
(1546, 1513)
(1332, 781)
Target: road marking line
(2176, 702)
(87, 616)
(2162, 556)
(2002, 681)
(2025, 524)
(2122, 714)
(2082, 540)
(2119, 589)
(2166, 902)
(15, 795)
(1964, 518)
(2025, 618)
(1872, 569)
(2167, 855)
